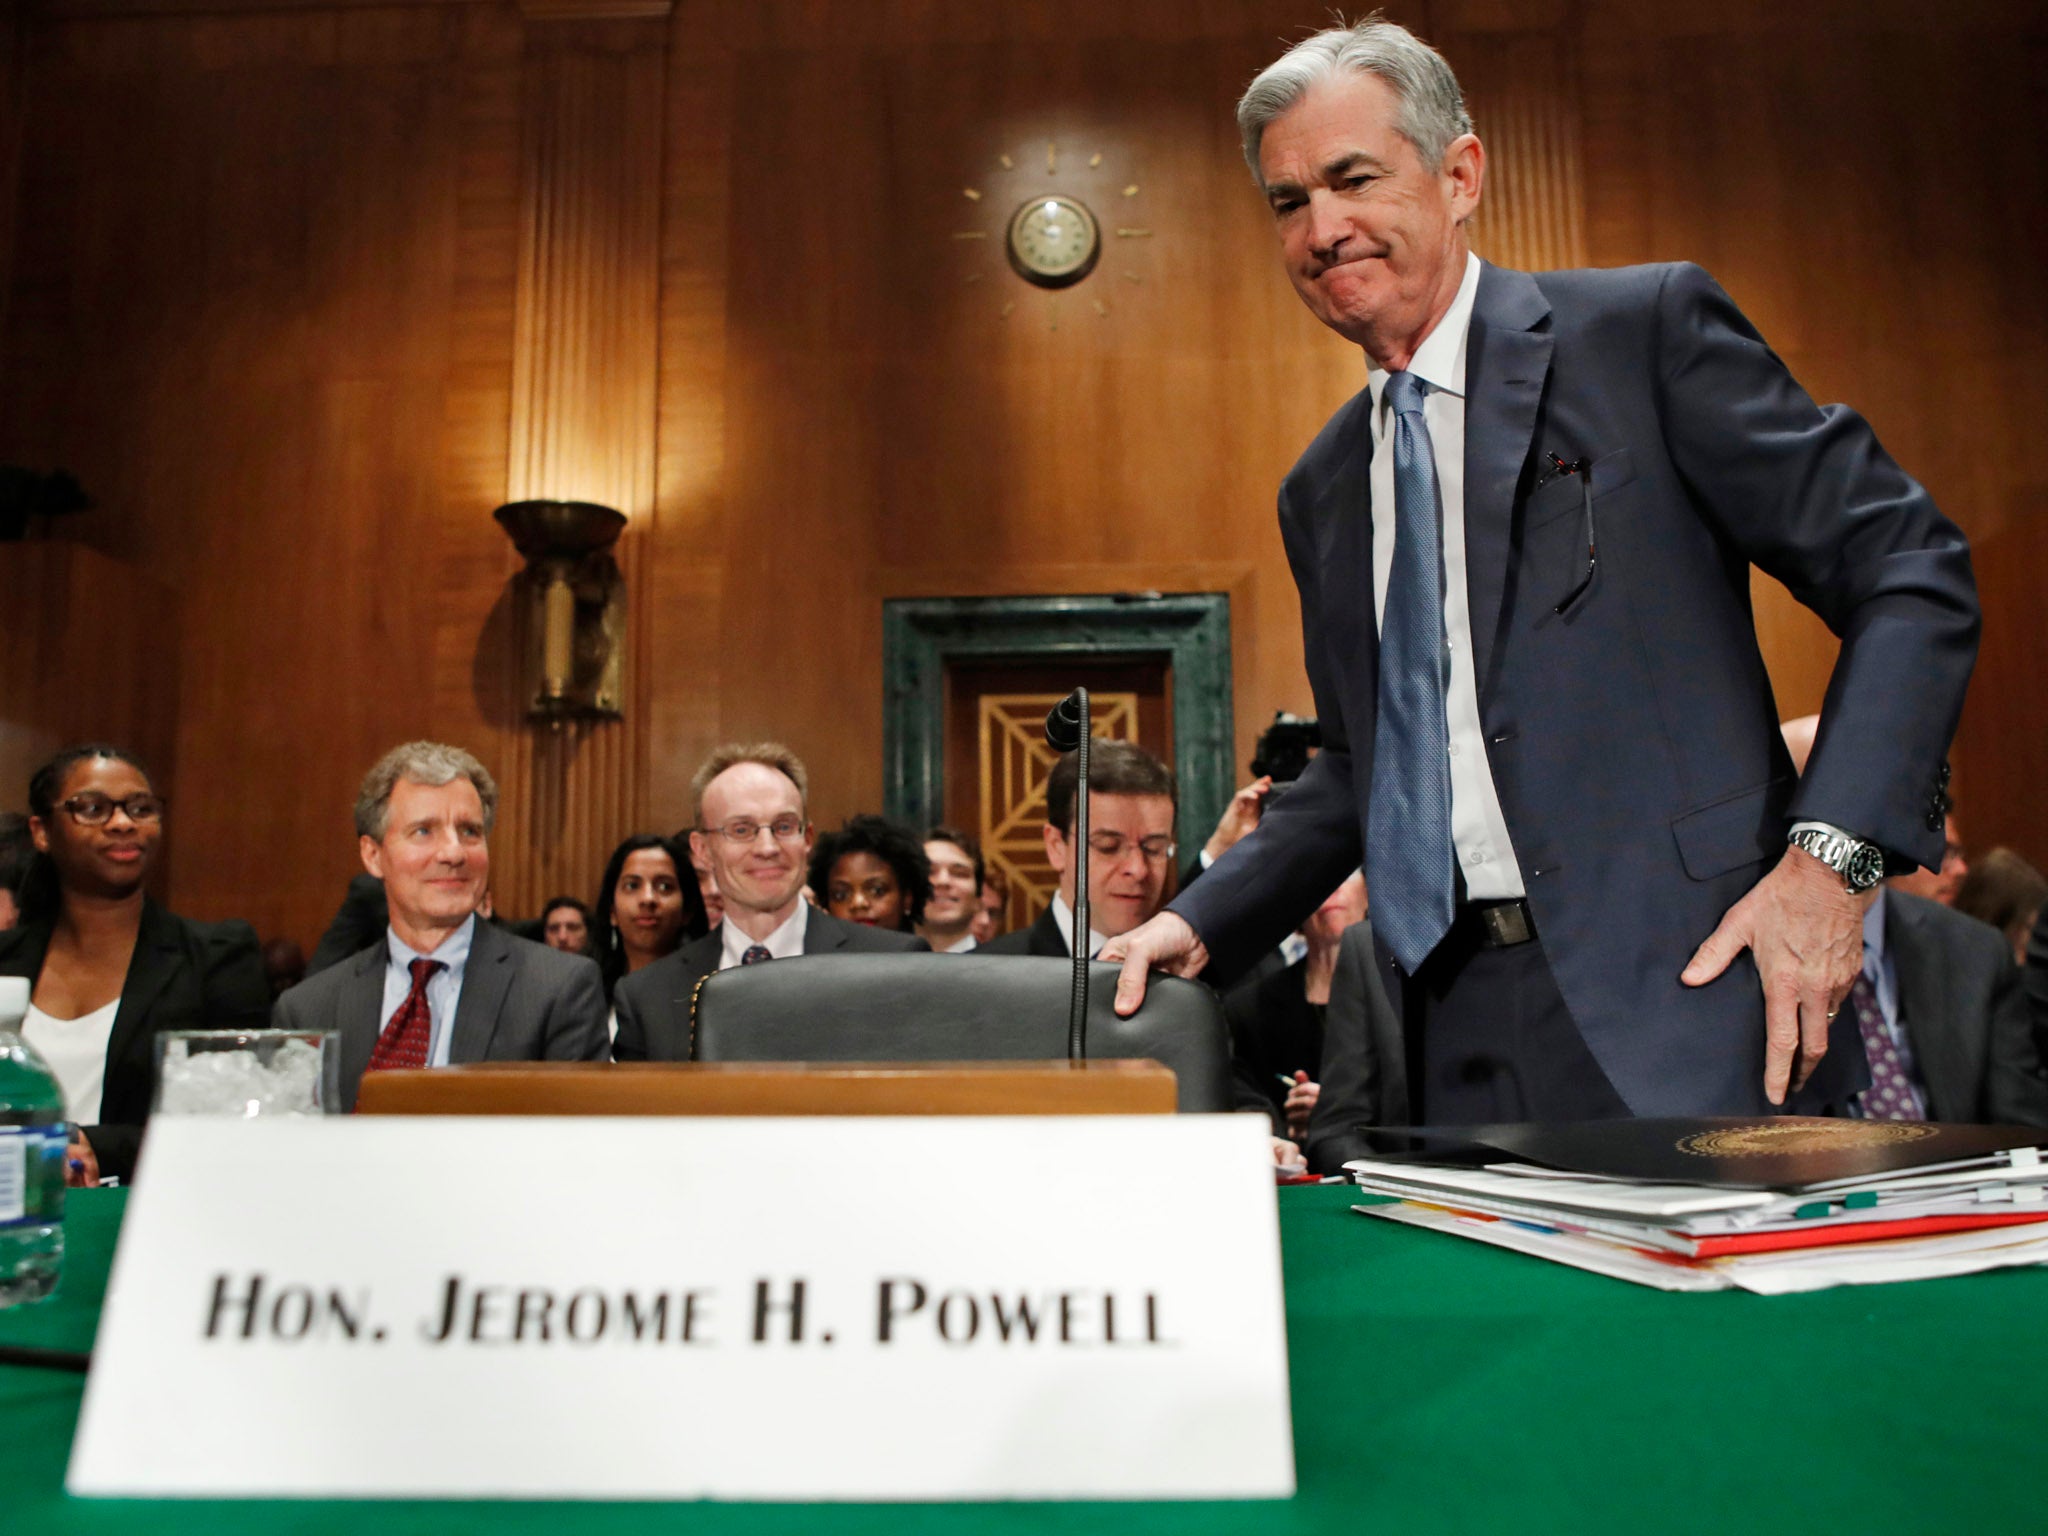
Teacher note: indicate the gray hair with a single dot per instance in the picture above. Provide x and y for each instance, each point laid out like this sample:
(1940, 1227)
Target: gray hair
(423, 762)
(1432, 107)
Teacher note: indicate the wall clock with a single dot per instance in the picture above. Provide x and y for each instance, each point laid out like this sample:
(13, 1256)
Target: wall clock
(1054, 239)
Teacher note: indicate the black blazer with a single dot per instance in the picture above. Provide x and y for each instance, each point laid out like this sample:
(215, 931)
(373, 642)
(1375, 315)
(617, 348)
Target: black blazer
(184, 975)
(1041, 938)
(653, 1004)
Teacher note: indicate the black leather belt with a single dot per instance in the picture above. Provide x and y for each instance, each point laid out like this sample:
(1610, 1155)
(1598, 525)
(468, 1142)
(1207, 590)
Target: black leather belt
(1500, 924)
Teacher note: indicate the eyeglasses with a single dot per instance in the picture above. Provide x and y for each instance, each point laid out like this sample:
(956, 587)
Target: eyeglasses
(1112, 845)
(92, 810)
(741, 832)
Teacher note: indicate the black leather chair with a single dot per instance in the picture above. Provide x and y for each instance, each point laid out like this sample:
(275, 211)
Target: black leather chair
(919, 1007)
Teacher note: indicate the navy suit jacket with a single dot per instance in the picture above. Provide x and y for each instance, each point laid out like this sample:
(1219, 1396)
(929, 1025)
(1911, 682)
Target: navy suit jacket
(1633, 737)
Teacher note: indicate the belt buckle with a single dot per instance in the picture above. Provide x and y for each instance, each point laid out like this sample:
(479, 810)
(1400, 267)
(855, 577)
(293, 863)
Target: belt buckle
(1506, 924)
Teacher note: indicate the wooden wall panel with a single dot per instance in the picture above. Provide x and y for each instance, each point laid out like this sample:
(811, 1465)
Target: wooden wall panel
(83, 658)
(269, 303)
(584, 412)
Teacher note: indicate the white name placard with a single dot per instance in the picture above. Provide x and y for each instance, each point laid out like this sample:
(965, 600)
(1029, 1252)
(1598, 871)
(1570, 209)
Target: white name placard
(643, 1308)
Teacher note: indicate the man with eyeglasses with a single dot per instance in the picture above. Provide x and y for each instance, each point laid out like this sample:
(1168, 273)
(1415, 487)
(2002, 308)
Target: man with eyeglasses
(1130, 848)
(754, 832)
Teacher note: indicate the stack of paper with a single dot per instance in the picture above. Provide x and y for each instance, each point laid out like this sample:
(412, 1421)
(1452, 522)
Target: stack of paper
(1889, 1202)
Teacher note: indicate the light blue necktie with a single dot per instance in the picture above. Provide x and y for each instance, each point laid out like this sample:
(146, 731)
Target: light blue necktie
(1408, 855)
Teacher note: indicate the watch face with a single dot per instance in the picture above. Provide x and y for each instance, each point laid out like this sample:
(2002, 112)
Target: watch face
(1053, 241)
(1866, 867)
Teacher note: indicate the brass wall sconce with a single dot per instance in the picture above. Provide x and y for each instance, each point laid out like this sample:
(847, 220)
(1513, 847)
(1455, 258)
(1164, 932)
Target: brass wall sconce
(573, 599)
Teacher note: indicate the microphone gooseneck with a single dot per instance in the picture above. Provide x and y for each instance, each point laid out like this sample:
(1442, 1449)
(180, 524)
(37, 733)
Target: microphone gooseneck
(1067, 729)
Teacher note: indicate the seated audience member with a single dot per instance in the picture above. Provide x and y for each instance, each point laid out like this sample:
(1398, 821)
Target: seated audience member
(1132, 797)
(647, 905)
(2007, 892)
(994, 914)
(1276, 1017)
(109, 970)
(284, 965)
(754, 832)
(1938, 1014)
(1130, 848)
(565, 925)
(1365, 1060)
(441, 986)
(872, 872)
(957, 876)
(707, 881)
(17, 848)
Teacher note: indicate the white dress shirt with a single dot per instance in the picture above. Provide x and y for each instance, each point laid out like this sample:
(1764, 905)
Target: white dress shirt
(784, 943)
(1479, 831)
(75, 1050)
(1064, 916)
(444, 987)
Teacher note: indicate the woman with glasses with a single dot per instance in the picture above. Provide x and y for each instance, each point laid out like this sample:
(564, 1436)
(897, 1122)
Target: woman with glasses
(873, 872)
(648, 905)
(109, 969)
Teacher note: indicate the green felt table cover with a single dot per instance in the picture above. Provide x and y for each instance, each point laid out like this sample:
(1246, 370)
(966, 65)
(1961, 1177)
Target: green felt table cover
(1439, 1386)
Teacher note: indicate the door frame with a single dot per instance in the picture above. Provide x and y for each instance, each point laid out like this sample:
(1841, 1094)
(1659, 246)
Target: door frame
(1190, 630)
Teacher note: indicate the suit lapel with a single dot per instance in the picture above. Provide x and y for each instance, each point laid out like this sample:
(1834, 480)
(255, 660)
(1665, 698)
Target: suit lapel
(1948, 1050)
(150, 970)
(486, 976)
(823, 933)
(1340, 520)
(1506, 363)
(359, 1010)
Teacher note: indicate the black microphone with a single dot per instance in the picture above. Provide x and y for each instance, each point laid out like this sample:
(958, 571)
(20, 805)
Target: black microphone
(1063, 721)
(1067, 729)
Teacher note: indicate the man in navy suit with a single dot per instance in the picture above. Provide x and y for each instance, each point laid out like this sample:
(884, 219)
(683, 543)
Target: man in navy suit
(1523, 556)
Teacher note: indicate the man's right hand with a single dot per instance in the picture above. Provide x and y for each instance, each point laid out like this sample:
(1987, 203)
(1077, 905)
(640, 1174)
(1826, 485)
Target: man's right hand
(1166, 943)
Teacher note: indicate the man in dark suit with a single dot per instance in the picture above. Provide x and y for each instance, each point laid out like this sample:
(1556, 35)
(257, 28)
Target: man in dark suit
(1364, 1077)
(441, 985)
(1523, 556)
(1131, 801)
(754, 832)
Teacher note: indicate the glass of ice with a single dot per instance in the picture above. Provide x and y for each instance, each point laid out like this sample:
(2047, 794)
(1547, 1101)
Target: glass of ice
(241, 1074)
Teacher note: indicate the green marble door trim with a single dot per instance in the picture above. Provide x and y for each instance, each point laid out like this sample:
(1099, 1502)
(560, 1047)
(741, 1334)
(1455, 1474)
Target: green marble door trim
(1191, 630)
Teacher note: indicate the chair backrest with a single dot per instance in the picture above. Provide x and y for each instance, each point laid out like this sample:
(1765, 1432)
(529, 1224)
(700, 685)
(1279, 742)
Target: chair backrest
(771, 1088)
(919, 1007)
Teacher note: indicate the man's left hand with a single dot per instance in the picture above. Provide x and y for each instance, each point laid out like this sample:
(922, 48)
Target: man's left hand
(1805, 931)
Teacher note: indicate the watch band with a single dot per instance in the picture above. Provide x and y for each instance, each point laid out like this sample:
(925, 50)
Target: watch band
(1858, 861)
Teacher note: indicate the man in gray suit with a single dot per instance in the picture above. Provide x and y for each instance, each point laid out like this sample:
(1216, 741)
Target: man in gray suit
(755, 833)
(439, 986)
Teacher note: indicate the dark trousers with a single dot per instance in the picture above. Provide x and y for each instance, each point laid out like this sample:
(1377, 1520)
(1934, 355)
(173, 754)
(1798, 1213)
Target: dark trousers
(1490, 1039)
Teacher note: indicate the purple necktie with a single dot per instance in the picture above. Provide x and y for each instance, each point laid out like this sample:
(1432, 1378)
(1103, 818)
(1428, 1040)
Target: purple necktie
(1890, 1094)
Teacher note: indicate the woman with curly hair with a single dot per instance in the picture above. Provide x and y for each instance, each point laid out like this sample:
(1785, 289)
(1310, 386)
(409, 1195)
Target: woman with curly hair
(874, 872)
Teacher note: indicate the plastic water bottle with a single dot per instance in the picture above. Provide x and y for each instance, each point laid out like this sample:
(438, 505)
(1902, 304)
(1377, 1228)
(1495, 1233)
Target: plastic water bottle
(33, 1138)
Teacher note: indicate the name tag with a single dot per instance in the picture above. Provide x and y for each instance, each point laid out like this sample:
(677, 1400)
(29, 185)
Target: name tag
(657, 1308)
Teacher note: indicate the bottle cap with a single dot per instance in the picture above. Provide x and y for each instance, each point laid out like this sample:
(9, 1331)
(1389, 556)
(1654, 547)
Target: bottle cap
(14, 994)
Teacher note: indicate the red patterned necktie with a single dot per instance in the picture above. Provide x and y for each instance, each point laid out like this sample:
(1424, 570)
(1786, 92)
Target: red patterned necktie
(755, 954)
(405, 1039)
